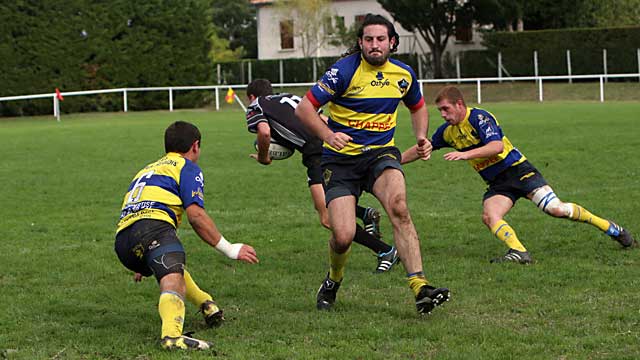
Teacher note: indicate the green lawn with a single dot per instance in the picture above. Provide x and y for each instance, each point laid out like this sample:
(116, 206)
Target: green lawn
(64, 295)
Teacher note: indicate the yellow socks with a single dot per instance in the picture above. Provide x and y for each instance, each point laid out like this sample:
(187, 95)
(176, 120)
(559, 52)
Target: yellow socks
(338, 261)
(416, 281)
(581, 214)
(195, 295)
(171, 309)
(504, 232)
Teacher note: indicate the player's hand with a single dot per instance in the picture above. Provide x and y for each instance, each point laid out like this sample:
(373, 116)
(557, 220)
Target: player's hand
(424, 149)
(248, 254)
(266, 161)
(137, 277)
(455, 155)
(338, 140)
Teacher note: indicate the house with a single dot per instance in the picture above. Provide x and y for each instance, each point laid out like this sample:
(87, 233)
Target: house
(279, 36)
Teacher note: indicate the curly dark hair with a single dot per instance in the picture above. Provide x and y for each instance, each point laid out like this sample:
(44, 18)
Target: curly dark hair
(374, 19)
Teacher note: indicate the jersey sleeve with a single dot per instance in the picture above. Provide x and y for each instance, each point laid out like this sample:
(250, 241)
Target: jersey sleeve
(191, 185)
(437, 140)
(330, 86)
(255, 115)
(413, 99)
(487, 127)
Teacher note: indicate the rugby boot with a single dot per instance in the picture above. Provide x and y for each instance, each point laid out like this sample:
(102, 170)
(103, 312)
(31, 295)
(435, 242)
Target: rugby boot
(212, 314)
(387, 260)
(429, 297)
(184, 343)
(520, 257)
(327, 293)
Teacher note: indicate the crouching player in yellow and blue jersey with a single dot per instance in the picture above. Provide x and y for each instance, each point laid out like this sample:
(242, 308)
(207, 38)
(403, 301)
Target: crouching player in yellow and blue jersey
(478, 138)
(363, 91)
(146, 239)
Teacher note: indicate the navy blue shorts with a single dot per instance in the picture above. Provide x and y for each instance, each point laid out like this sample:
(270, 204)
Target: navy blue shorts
(350, 175)
(516, 182)
(150, 247)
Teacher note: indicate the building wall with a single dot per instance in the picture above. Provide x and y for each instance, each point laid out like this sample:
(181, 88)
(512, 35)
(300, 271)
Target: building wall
(268, 24)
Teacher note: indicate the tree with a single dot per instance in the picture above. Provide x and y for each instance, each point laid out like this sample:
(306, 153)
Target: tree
(434, 20)
(310, 18)
(235, 23)
(502, 14)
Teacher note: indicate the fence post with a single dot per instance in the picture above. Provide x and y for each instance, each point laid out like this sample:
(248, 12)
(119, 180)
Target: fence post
(638, 53)
(219, 71)
(540, 98)
(569, 65)
(281, 71)
(458, 67)
(419, 66)
(601, 88)
(315, 69)
(604, 61)
(170, 99)
(125, 104)
(479, 92)
(535, 63)
(249, 68)
(217, 98)
(499, 66)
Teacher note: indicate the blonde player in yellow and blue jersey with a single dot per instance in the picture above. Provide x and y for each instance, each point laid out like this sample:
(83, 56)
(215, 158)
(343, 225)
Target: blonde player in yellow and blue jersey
(363, 91)
(478, 138)
(146, 239)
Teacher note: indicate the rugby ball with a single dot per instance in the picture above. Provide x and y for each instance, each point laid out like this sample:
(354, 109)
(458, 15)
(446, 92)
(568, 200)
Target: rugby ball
(276, 151)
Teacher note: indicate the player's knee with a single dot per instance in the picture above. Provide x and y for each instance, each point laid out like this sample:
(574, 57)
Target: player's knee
(398, 210)
(341, 242)
(547, 201)
(487, 219)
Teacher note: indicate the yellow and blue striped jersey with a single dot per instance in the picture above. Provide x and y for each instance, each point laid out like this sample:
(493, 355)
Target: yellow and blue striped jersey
(478, 128)
(162, 190)
(363, 101)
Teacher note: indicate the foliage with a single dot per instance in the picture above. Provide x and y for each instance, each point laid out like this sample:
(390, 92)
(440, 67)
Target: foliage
(434, 20)
(235, 21)
(555, 14)
(83, 44)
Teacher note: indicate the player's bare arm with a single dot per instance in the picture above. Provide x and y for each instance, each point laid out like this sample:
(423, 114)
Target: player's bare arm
(308, 114)
(204, 226)
(263, 136)
(420, 122)
(490, 149)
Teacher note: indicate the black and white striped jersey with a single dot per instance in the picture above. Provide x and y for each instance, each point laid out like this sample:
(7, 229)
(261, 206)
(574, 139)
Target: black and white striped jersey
(278, 111)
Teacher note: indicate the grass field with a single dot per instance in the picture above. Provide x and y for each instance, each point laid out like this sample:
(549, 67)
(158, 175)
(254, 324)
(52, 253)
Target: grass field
(64, 295)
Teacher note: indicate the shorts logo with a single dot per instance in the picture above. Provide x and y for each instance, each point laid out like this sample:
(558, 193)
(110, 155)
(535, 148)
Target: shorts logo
(527, 176)
(154, 244)
(326, 176)
(138, 251)
(389, 155)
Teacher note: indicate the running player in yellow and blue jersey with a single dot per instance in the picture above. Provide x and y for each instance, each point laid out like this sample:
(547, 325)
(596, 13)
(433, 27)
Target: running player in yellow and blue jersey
(363, 91)
(478, 138)
(146, 239)
(271, 117)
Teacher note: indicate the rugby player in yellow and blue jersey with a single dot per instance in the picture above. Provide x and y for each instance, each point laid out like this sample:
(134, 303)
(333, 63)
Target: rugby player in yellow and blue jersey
(478, 138)
(146, 239)
(363, 91)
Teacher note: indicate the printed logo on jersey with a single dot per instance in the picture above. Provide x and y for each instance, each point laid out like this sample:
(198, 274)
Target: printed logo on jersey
(200, 179)
(138, 251)
(403, 85)
(332, 75)
(324, 87)
(380, 80)
(354, 91)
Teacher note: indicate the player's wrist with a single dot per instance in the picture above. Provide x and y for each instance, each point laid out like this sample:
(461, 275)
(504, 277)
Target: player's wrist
(228, 249)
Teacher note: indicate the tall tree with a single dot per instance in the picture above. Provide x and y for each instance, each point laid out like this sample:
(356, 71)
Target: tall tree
(501, 14)
(434, 20)
(235, 22)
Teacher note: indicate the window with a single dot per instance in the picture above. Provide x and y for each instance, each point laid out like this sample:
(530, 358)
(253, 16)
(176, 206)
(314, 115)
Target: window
(286, 34)
(464, 27)
(359, 19)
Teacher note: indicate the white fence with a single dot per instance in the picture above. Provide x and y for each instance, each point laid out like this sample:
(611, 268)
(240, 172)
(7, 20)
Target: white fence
(217, 88)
